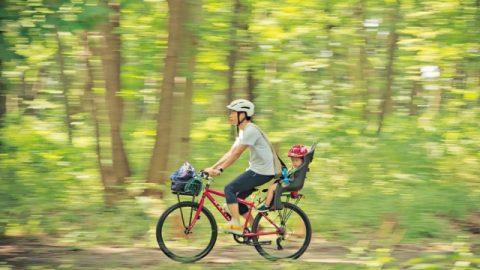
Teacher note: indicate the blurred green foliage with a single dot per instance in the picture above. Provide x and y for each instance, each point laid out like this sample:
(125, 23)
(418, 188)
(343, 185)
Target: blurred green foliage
(321, 76)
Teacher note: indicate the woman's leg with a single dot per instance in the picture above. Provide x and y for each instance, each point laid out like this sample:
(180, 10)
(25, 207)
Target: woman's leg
(242, 186)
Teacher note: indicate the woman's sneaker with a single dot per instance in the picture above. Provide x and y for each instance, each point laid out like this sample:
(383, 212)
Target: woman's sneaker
(233, 227)
(263, 208)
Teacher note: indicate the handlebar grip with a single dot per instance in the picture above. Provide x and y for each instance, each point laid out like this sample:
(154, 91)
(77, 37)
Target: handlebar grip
(204, 174)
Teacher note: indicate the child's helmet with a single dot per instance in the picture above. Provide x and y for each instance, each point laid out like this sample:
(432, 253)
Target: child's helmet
(297, 150)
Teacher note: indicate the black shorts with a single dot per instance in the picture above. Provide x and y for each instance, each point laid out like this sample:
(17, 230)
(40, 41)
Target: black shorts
(243, 186)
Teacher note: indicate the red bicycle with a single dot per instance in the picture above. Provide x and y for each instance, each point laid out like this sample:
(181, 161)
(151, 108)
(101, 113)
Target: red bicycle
(187, 231)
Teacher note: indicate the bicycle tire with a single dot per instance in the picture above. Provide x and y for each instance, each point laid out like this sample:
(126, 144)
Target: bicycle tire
(293, 250)
(180, 236)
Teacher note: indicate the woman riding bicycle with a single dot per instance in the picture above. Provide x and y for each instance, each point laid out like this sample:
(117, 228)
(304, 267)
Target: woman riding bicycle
(261, 169)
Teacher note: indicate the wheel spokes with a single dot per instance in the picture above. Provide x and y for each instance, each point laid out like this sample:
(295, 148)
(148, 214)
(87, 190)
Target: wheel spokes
(181, 243)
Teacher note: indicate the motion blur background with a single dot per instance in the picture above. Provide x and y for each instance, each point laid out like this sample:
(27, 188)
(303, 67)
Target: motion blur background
(100, 101)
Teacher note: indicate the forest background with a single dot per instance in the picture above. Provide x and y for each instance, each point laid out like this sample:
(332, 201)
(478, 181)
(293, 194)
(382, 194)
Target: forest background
(101, 100)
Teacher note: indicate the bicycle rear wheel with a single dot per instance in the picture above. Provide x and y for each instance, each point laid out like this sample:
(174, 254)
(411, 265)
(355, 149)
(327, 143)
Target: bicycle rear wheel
(181, 244)
(290, 244)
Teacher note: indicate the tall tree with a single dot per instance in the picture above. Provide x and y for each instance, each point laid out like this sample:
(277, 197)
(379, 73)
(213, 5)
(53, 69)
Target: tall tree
(413, 108)
(3, 94)
(363, 65)
(111, 60)
(233, 53)
(106, 172)
(477, 24)
(64, 85)
(252, 83)
(194, 15)
(250, 46)
(157, 171)
(3, 47)
(183, 88)
(385, 105)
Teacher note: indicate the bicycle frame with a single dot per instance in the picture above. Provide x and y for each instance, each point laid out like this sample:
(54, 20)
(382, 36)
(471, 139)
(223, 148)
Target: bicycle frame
(207, 193)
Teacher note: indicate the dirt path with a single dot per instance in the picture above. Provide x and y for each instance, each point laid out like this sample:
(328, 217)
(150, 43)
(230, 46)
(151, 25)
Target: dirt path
(24, 254)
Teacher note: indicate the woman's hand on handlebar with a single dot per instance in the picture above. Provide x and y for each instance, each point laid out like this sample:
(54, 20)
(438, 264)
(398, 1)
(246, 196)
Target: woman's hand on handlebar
(205, 175)
(212, 171)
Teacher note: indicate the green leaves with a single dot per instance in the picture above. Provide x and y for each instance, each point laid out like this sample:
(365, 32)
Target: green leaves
(316, 70)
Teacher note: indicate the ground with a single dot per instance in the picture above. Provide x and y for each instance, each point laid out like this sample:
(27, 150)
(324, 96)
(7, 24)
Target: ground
(23, 253)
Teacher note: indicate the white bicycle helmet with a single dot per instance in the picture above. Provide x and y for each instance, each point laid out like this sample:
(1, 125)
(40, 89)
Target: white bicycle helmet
(242, 105)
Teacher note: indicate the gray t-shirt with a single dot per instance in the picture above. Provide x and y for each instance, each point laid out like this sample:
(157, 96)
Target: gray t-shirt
(261, 157)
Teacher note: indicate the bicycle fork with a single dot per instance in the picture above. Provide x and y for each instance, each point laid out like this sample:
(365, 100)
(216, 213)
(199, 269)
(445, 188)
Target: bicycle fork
(193, 221)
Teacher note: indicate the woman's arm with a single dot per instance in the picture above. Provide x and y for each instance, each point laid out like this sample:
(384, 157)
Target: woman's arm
(228, 159)
(233, 156)
(220, 162)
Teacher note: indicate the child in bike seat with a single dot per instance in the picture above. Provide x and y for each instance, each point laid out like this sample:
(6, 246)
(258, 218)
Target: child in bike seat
(296, 154)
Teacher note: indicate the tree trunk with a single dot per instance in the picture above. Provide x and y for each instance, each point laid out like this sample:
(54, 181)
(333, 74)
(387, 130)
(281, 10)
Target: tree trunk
(106, 178)
(64, 85)
(413, 96)
(157, 172)
(477, 23)
(194, 17)
(3, 90)
(182, 90)
(332, 99)
(461, 77)
(385, 105)
(232, 56)
(362, 73)
(252, 83)
(330, 72)
(28, 92)
(111, 60)
(3, 96)
(179, 91)
(232, 52)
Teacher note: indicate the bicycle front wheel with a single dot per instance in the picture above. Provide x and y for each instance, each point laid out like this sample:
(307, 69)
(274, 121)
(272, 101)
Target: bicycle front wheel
(177, 241)
(291, 242)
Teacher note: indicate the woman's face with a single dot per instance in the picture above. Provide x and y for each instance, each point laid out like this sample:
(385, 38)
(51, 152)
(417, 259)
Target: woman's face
(296, 162)
(233, 117)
